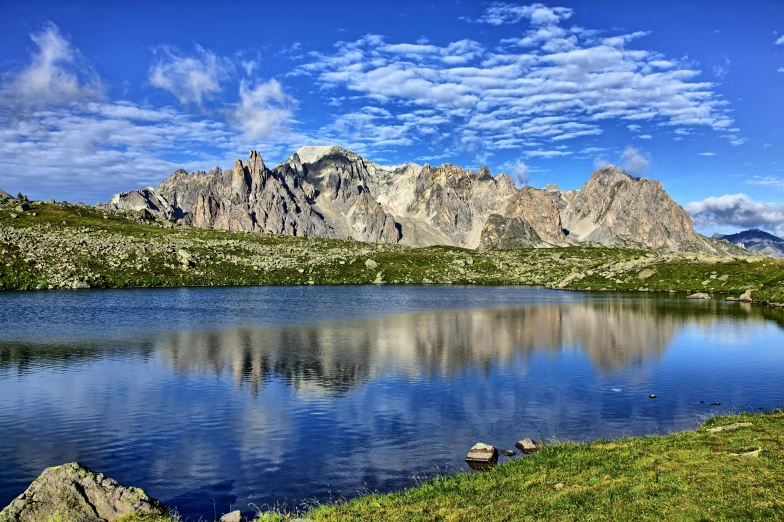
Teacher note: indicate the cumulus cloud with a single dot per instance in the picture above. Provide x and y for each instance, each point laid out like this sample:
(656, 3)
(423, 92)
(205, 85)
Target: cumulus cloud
(553, 84)
(501, 13)
(737, 210)
(634, 162)
(191, 79)
(56, 74)
(779, 40)
(263, 110)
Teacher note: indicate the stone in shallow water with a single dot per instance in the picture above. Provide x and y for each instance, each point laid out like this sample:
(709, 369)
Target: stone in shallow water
(482, 456)
(526, 445)
(508, 453)
(698, 295)
(234, 516)
(73, 492)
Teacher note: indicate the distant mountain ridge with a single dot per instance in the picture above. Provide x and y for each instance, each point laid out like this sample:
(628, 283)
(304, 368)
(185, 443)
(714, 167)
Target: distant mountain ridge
(757, 241)
(334, 193)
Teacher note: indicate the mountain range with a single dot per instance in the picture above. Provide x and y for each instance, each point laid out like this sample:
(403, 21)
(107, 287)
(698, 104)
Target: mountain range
(331, 192)
(756, 241)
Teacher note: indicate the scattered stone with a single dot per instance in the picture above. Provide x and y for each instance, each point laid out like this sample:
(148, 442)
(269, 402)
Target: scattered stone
(755, 453)
(185, 258)
(482, 453)
(645, 274)
(651, 396)
(558, 486)
(526, 445)
(698, 295)
(558, 256)
(13, 216)
(745, 296)
(234, 516)
(508, 453)
(734, 426)
(370, 264)
(730, 298)
(22, 207)
(72, 492)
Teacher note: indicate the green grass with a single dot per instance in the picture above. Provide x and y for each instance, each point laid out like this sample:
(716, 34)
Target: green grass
(683, 476)
(686, 476)
(65, 246)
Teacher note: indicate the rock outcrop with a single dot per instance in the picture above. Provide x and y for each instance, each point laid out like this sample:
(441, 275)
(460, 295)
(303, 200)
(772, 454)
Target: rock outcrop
(74, 493)
(331, 192)
(756, 241)
(4, 195)
(503, 233)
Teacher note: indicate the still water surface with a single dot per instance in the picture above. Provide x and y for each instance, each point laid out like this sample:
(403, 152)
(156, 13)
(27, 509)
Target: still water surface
(243, 397)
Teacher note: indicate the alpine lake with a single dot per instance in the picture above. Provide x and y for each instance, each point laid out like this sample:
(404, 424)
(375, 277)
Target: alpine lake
(248, 398)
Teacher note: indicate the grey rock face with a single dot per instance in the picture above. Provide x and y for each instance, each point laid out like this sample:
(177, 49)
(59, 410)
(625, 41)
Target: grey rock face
(612, 208)
(73, 492)
(334, 193)
(138, 200)
(756, 241)
(502, 233)
(4, 195)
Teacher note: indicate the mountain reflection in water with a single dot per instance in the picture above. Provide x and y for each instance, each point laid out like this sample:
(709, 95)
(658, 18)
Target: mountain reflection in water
(264, 396)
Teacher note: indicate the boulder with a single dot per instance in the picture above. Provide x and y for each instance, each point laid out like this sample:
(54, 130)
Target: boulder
(482, 454)
(526, 445)
(234, 516)
(72, 492)
(370, 264)
(745, 296)
(698, 295)
(508, 453)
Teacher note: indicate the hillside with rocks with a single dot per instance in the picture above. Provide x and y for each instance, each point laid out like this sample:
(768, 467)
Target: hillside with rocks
(757, 241)
(334, 193)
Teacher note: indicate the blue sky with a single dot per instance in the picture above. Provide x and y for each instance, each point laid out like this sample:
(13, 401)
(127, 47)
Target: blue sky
(100, 97)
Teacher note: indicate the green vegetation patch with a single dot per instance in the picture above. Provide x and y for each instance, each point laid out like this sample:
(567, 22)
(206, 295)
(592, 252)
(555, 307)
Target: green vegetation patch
(684, 476)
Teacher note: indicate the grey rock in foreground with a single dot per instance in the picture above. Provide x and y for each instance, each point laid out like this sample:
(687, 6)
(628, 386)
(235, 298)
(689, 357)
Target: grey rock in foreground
(74, 493)
(482, 454)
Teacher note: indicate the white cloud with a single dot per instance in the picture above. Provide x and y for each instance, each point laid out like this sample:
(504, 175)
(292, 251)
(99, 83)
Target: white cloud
(546, 153)
(191, 79)
(56, 75)
(521, 172)
(737, 210)
(264, 110)
(501, 13)
(767, 181)
(634, 162)
(599, 162)
(707, 154)
(645, 137)
(562, 87)
(780, 40)
(781, 69)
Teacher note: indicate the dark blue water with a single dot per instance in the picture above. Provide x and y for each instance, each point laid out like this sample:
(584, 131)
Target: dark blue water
(212, 399)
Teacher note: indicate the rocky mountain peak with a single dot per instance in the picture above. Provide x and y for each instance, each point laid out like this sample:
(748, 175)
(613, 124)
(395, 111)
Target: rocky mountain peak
(329, 191)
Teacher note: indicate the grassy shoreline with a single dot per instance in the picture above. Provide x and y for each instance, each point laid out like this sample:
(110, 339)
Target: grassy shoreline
(689, 475)
(53, 246)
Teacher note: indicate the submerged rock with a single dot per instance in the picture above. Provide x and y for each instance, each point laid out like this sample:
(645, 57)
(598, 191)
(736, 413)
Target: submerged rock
(698, 295)
(72, 492)
(508, 453)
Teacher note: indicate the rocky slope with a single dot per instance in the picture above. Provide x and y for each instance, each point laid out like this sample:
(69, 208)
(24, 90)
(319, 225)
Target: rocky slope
(4, 195)
(756, 241)
(334, 193)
